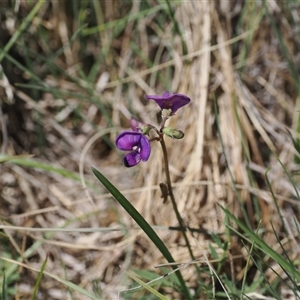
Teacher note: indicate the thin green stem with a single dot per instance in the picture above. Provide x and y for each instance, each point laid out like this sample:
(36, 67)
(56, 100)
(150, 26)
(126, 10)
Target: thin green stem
(170, 190)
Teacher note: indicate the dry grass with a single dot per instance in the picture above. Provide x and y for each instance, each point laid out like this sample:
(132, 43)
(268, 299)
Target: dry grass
(240, 64)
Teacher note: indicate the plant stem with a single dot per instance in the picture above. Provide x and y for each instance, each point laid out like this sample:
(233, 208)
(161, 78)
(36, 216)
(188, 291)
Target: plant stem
(170, 190)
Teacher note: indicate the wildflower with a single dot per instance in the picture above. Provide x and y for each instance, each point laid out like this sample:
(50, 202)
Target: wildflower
(135, 142)
(170, 101)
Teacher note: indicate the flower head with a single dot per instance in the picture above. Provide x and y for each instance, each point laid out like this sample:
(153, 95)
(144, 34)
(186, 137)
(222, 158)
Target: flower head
(135, 142)
(170, 101)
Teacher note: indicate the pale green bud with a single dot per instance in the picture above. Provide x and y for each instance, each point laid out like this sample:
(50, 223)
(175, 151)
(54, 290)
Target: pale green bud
(145, 129)
(173, 133)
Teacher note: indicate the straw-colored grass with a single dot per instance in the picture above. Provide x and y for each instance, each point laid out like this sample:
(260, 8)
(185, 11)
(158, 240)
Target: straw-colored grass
(55, 105)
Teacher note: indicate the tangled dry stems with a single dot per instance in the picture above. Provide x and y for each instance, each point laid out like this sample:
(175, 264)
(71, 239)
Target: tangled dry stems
(261, 95)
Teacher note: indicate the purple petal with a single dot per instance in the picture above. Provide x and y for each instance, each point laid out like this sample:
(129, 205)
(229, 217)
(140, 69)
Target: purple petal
(179, 100)
(155, 97)
(126, 140)
(168, 101)
(135, 124)
(145, 148)
(131, 140)
(166, 94)
(131, 159)
(160, 100)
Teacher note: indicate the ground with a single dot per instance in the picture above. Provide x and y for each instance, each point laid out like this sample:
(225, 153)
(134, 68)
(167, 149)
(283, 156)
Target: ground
(71, 76)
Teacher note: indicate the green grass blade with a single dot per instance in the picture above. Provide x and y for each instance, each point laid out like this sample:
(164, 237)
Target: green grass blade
(6, 158)
(133, 276)
(296, 143)
(23, 26)
(38, 165)
(263, 246)
(245, 215)
(289, 176)
(283, 46)
(67, 283)
(243, 288)
(177, 28)
(4, 290)
(143, 224)
(39, 279)
(273, 196)
(124, 20)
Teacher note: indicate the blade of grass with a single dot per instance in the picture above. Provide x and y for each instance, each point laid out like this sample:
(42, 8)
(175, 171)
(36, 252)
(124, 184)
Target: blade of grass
(6, 158)
(250, 17)
(291, 65)
(273, 196)
(284, 48)
(287, 258)
(63, 281)
(123, 21)
(58, 93)
(247, 157)
(39, 279)
(273, 285)
(143, 224)
(177, 28)
(289, 176)
(227, 165)
(22, 27)
(133, 276)
(262, 245)
(243, 288)
(296, 144)
(4, 288)
(50, 232)
(38, 165)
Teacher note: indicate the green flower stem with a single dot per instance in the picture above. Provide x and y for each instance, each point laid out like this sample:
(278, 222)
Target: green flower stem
(170, 190)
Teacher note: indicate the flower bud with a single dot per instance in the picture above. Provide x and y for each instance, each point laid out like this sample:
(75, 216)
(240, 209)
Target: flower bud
(139, 126)
(173, 133)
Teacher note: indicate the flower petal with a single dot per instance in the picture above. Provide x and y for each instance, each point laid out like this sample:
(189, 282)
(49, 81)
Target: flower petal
(179, 100)
(135, 124)
(155, 97)
(126, 140)
(170, 101)
(131, 159)
(166, 94)
(145, 148)
(160, 100)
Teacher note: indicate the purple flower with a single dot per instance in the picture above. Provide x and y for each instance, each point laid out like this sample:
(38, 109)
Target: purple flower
(168, 101)
(135, 142)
